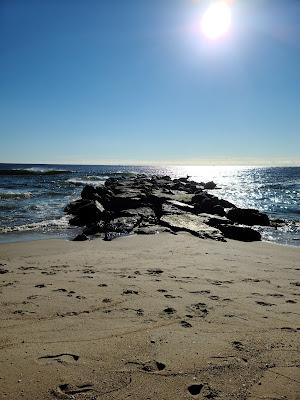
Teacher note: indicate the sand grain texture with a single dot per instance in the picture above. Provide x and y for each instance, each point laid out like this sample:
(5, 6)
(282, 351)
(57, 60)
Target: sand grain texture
(155, 317)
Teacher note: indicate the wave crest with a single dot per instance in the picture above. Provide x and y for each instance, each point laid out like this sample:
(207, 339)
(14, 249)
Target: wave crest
(15, 195)
(36, 226)
(33, 171)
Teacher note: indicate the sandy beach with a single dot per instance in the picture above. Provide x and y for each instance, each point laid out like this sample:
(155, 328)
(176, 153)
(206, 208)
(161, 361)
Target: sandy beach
(149, 317)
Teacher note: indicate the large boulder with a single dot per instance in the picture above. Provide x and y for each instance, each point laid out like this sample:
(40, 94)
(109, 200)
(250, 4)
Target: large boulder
(86, 212)
(73, 207)
(214, 220)
(129, 198)
(123, 224)
(94, 228)
(145, 213)
(89, 192)
(80, 238)
(241, 233)
(248, 216)
(191, 223)
(210, 185)
(180, 205)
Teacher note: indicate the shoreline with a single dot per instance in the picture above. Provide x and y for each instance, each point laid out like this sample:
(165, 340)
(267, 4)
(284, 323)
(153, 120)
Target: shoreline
(167, 313)
(64, 237)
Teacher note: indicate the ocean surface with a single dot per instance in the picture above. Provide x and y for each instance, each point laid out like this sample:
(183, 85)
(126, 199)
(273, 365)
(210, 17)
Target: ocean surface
(32, 197)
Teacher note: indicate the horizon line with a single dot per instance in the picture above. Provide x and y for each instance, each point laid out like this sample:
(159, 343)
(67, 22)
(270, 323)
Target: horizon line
(163, 164)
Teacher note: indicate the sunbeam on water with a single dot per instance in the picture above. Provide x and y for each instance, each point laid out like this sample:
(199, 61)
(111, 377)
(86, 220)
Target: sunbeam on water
(33, 204)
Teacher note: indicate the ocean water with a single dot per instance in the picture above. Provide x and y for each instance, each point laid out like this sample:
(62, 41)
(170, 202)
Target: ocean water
(32, 197)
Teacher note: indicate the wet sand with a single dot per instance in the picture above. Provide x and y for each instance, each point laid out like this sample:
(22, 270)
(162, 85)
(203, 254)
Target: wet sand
(149, 317)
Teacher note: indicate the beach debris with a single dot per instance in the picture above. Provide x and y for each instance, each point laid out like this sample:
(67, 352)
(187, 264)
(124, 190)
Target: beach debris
(149, 205)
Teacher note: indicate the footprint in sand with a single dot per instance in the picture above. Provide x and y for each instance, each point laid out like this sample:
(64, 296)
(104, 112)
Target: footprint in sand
(64, 358)
(130, 291)
(200, 309)
(237, 345)
(169, 310)
(264, 304)
(48, 273)
(170, 296)
(289, 329)
(66, 391)
(200, 292)
(295, 283)
(154, 271)
(149, 366)
(206, 391)
(195, 389)
(185, 324)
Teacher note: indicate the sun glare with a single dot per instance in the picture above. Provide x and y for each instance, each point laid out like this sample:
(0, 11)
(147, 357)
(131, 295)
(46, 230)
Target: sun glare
(216, 20)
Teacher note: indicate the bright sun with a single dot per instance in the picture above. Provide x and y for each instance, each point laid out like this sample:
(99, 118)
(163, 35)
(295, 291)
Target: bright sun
(216, 20)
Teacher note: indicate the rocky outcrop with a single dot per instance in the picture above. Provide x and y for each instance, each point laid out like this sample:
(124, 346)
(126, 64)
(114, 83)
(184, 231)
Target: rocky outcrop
(146, 205)
(248, 216)
(191, 223)
(242, 233)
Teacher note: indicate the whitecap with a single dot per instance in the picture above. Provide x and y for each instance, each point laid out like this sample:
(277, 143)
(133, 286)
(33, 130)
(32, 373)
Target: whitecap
(15, 195)
(60, 223)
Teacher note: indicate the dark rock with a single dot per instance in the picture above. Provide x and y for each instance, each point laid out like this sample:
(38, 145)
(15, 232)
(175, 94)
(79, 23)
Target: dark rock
(145, 213)
(109, 236)
(73, 207)
(89, 192)
(248, 216)
(207, 203)
(213, 220)
(241, 233)
(218, 210)
(180, 205)
(210, 185)
(90, 212)
(225, 203)
(80, 238)
(94, 228)
(128, 199)
(151, 230)
(123, 224)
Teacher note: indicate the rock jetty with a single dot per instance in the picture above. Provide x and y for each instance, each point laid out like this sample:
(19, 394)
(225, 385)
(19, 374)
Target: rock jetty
(146, 205)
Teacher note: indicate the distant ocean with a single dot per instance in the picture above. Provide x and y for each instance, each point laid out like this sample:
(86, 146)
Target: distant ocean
(32, 197)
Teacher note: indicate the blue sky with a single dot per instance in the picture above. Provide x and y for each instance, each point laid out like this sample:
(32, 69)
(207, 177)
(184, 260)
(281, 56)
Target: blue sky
(135, 81)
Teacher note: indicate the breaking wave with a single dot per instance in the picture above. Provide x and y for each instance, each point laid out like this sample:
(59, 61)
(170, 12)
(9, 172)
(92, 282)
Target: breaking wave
(15, 195)
(83, 182)
(60, 223)
(33, 171)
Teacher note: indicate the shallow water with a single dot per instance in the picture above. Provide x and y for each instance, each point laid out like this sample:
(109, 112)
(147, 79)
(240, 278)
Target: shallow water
(32, 197)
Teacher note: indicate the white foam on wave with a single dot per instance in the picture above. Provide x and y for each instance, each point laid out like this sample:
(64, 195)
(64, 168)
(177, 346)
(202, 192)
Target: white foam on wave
(83, 182)
(15, 195)
(60, 223)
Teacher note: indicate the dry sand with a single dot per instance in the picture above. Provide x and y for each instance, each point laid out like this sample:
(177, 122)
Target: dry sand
(149, 318)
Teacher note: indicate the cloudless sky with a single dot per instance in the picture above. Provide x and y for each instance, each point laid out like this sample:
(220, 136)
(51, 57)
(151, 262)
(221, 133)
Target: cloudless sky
(135, 81)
